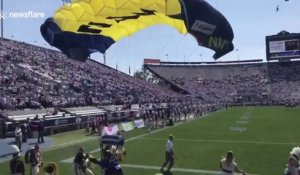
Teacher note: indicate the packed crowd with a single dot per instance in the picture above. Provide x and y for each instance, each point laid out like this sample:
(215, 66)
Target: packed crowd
(34, 77)
(275, 83)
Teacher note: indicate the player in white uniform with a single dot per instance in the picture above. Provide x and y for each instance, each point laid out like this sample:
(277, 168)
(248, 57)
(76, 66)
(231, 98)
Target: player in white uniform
(228, 165)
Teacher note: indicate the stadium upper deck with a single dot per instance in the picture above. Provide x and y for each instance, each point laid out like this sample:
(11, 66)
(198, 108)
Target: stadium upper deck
(254, 83)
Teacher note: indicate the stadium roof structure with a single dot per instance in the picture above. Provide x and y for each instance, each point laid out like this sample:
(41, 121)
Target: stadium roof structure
(28, 113)
(159, 62)
(88, 110)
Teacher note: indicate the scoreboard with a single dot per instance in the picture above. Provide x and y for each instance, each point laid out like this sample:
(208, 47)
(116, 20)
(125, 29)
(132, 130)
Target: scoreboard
(283, 46)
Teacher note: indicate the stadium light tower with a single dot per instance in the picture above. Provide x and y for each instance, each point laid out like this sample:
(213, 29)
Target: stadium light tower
(238, 54)
(2, 16)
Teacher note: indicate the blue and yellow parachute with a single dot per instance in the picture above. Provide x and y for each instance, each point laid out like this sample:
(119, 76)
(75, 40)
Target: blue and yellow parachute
(86, 26)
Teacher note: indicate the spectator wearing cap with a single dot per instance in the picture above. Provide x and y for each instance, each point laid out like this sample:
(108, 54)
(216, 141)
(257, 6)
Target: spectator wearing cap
(169, 154)
(228, 166)
(16, 164)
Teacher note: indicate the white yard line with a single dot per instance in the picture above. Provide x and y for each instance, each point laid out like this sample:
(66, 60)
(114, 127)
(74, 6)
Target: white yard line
(184, 170)
(133, 138)
(91, 138)
(52, 147)
(127, 140)
(130, 139)
(225, 141)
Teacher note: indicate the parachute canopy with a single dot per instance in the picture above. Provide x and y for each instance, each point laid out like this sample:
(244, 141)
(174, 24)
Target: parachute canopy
(86, 26)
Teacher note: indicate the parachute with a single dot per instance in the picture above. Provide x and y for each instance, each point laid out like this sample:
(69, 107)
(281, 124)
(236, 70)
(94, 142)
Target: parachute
(86, 26)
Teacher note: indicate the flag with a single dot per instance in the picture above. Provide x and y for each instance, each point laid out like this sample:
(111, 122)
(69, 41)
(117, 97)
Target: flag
(129, 71)
(104, 58)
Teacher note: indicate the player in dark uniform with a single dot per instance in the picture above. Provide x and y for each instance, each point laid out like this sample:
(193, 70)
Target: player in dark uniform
(109, 165)
(78, 161)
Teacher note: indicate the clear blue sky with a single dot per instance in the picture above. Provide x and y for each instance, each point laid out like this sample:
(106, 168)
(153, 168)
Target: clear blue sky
(251, 20)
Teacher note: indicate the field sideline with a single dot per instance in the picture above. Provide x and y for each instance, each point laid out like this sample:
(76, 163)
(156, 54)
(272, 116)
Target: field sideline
(261, 138)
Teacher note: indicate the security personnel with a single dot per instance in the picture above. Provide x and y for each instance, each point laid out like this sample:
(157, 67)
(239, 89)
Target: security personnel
(169, 154)
(16, 164)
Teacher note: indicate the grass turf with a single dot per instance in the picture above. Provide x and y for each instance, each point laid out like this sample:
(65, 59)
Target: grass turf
(261, 141)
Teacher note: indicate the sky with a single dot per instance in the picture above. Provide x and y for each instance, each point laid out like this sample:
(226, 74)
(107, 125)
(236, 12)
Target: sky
(251, 21)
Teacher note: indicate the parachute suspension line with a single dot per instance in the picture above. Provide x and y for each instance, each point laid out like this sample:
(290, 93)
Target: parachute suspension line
(179, 43)
(162, 50)
(104, 58)
(193, 52)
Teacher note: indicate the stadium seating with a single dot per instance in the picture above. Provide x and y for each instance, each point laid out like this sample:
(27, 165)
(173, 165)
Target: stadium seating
(275, 83)
(35, 77)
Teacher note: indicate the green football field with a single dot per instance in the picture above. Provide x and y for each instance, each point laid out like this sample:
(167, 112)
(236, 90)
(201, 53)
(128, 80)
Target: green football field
(261, 138)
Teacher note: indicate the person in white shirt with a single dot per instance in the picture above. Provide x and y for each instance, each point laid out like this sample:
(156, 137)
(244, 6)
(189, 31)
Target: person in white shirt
(228, 166)
(169, 154)
(18, 137)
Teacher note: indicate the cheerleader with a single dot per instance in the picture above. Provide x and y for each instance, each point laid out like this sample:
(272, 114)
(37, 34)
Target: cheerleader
(228, 166)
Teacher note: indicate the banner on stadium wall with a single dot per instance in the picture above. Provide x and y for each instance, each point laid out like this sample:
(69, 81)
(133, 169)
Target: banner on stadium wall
(135, 107)
(139, 123)
(128, 126)
(110, 130)
(163, 105)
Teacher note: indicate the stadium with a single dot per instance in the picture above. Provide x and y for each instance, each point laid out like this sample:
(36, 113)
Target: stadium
(62, 112)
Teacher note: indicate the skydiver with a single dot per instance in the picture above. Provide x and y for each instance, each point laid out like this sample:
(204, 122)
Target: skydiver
(277, 8)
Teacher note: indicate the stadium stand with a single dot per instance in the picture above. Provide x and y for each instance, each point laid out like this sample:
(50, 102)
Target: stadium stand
(272, 83)
(34, 77)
